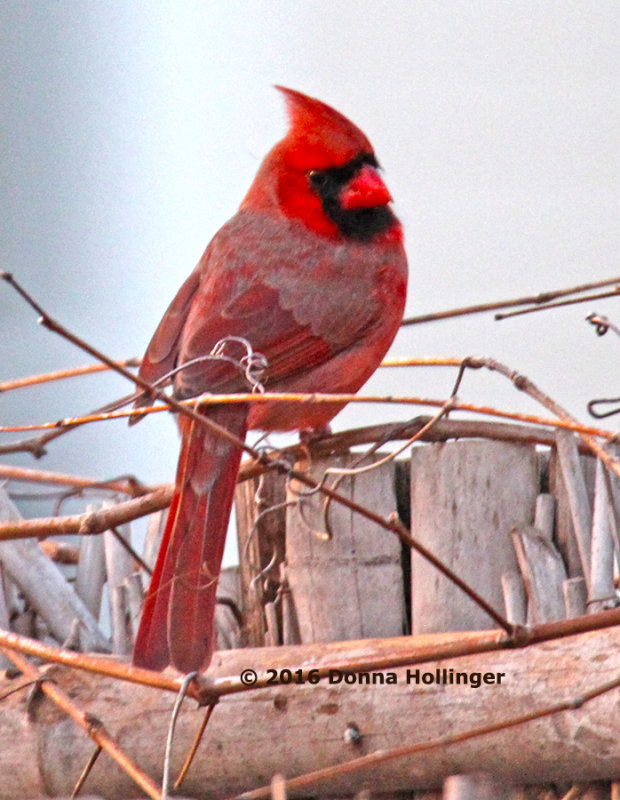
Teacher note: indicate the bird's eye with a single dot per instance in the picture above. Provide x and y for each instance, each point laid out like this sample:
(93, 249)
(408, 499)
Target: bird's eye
(317, 178)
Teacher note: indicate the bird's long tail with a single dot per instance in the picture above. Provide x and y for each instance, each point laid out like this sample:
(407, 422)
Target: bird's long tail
(177, 625)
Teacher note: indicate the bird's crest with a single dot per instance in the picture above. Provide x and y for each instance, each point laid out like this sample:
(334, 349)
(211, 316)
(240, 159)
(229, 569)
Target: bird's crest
(319, 137)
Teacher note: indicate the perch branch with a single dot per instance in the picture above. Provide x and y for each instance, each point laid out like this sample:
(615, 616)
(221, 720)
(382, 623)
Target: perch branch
(223, 678)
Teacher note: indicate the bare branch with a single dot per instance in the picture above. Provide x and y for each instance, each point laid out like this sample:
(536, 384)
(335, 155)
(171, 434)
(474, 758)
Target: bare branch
(537, 299)
(62, 374)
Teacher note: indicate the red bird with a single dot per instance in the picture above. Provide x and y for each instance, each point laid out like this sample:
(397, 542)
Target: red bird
(311, 272)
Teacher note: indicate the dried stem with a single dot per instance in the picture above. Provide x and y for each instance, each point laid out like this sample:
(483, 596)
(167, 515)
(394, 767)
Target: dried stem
(195, 744)
(35, 446)
(159, 498)
(524, 384)
(559, 304)
(125, 485)
(536, 299)
(86, 771)
(89, 663)
(55, 327)
(62, 374)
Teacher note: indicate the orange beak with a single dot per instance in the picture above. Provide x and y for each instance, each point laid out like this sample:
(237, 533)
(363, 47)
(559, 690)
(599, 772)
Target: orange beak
(365, 190)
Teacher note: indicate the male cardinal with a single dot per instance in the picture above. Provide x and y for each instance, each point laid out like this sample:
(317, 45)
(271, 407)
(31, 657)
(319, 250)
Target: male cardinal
(311, 272)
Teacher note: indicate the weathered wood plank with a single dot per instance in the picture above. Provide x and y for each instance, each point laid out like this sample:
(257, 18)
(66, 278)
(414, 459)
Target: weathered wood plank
(465, 497)
(349, 586)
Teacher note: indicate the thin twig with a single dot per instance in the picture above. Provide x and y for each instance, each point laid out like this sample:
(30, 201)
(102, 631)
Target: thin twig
(62, 374)
(524, 384)
(406, 538)
(538, 299)
(36, 445)
(445, 429)
(559, 304)
(98, 665)
(124, 484)
(86, 771)
(195, 745)
(18, 688)
(356, 469)
(55, 327)
(127, 546)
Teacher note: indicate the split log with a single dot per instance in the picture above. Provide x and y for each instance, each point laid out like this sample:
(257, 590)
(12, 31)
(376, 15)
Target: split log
(349, 586)
(4, 616)
(293, 729)
(543, 574)
(152, 542)
(90, 576)
(45, 587)
(541, 564)
(227, 610)
(478, 786)
(576, 530)
(602, 590)
(119, 566)
(465, 498)
(575, 596)
(515, 601)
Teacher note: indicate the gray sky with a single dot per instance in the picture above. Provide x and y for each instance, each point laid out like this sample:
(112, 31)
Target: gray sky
(131, 131)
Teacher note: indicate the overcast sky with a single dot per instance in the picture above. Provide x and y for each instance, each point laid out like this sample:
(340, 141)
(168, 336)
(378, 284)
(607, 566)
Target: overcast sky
(132, 129)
